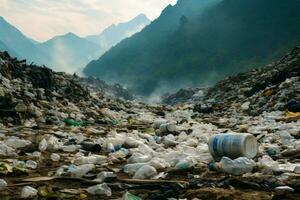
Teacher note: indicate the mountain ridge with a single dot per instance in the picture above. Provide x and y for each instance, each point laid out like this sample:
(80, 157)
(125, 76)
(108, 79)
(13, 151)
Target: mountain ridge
(200, 48)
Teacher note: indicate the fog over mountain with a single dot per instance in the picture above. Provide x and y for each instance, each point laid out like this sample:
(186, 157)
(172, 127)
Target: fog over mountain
(200, 42)
(69, 52)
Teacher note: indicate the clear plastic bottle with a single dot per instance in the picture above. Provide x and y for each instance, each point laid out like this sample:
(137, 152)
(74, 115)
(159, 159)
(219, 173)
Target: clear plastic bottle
(3, 184)
(80, 171)
(145, 172)
(28, 192)
(31, 164)
(100, 189)
(236, 167)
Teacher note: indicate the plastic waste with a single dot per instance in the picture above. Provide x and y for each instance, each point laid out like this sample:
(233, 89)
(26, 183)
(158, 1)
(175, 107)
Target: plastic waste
(55, 157)
(6, 150)
(100, 189)
(69, 148)
(145, 172)
(80, 171)
(130, 142)
(157, 123)
(43, 145)
(236, 167)
(3, 184)
(28, 192)
(31, 164)
(110, 148)
(185, 163)
(104, 175)
(283, 189)
(16, 142)
(94, 159)
(71, 122)
(233, 146)
(167, 128)
(286, 138)
(268, 163)
(129, 196)
(88, 146)
(133, 168)
(139, 158)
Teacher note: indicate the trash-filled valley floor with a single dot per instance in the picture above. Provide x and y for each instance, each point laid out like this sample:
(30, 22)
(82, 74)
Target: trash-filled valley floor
(63, 139)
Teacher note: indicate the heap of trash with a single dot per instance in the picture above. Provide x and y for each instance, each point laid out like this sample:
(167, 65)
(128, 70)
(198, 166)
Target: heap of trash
(62, 139)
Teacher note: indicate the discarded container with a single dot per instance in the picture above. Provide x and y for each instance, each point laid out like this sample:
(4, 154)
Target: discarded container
(236, 167)
(233, 146)
(3, 184)
(167, 128)
(159, 122)
(55, 157)
(71, 122)
(129, 196)
(80, 171)
(100, 189)
(145, 172)
(28, 192)
(104, 175)
(88, 146)
(110, 148)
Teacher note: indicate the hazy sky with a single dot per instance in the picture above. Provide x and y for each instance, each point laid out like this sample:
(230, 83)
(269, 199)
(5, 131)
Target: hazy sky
(43, 19)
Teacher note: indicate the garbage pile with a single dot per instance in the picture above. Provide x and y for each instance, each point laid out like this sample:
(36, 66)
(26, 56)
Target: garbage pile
(84, 145)
(111, 91)
(264, 89)
(34, 95)
(189, 95)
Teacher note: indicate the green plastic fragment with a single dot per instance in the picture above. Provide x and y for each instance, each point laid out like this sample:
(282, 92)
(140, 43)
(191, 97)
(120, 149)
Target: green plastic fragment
(71, 122)
(129, 196)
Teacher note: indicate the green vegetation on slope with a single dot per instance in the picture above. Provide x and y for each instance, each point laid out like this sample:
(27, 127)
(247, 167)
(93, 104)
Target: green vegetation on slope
(186, 46)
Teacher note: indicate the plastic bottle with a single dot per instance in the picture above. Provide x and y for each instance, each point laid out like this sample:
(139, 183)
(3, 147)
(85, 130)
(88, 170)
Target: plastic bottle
(55, 157)
(110, 148)
(133, 168)
(3, 184)
(69, 148)
(100, 189)
(28, 192)
(88, 146)
(145, 172)
(104, 175)
(94, 159)
(236, 167)
(80, 171)
(139, 158)
(167, 128)
(43, 145)
(233, 146)
(159, 122)
(31, 164)
(185, 163)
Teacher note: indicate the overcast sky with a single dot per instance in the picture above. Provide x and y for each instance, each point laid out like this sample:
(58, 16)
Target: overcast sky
(43, 19)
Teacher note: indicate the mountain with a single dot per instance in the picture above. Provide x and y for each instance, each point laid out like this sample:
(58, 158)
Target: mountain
(69, 52)
(199, 43)
(116, 33)
(4, 47)
(16, 41)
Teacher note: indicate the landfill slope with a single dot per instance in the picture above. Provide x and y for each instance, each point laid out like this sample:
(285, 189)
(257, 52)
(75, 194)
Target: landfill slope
(62, 137)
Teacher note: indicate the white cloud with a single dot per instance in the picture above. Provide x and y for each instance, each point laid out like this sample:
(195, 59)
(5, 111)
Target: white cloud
(43, 19)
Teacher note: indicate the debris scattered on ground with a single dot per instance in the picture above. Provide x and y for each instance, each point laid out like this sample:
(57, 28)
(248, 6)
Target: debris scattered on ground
(60, 138)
